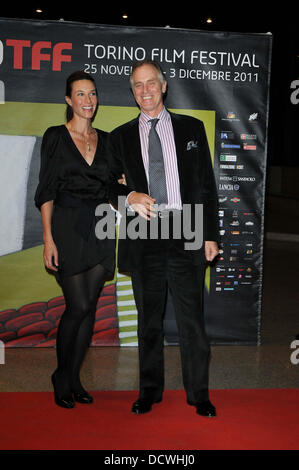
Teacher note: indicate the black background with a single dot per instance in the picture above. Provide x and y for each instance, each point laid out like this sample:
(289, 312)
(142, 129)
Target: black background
(281, 19)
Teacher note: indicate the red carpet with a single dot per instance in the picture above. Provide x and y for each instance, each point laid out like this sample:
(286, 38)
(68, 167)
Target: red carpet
(247, 419)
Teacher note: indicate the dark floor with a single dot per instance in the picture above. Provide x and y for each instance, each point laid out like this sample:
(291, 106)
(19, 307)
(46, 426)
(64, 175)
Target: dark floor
(232, 366)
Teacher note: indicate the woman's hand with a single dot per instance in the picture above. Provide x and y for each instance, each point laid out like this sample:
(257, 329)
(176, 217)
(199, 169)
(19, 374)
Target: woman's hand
(51, 255)
(122, 180)
(50, 250)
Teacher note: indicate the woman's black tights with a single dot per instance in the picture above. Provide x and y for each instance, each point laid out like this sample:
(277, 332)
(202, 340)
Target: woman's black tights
(81, 293)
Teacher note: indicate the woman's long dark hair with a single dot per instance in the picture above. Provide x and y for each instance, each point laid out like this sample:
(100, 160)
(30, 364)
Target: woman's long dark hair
(74, 77)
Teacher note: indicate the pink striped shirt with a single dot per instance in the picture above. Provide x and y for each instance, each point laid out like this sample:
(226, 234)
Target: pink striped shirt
(165, 131)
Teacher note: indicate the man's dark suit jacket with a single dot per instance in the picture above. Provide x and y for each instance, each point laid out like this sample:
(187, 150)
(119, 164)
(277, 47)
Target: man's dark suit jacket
(197, 182)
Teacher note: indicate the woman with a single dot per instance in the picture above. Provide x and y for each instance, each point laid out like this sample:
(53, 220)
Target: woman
(73, 181)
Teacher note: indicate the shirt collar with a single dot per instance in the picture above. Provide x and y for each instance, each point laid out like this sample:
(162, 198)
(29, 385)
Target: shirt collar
(162, 116)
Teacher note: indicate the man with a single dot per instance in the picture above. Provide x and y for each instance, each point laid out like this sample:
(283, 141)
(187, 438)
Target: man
(185, 179)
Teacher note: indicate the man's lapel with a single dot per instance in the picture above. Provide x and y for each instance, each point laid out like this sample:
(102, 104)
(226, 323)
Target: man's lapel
(133, 158)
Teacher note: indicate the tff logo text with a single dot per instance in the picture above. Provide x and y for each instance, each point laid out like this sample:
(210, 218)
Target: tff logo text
(41, 51)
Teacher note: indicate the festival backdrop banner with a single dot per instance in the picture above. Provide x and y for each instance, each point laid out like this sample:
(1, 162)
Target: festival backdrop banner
(219, 77)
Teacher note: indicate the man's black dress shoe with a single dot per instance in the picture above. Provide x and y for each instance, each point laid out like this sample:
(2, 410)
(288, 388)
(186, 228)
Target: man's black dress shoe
(141, 405)
(65, 401)
(82, 397)
(206, 408)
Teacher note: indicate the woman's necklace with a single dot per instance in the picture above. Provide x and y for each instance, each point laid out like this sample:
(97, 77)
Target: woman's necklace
(82, 137)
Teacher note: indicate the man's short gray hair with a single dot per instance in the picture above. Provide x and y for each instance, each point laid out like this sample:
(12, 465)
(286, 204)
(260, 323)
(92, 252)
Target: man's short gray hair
(155, 64)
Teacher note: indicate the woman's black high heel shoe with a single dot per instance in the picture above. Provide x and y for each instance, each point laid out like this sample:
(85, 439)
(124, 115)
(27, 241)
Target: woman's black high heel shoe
(82, 397)
(65, 401)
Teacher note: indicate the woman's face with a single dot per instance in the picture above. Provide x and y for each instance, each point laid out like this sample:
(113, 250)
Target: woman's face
(84, 99)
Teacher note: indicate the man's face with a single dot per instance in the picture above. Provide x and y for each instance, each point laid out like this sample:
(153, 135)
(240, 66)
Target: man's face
(148, 89)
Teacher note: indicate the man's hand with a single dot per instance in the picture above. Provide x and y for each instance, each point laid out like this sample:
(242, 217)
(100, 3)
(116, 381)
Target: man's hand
(143, 204)
(211, 250)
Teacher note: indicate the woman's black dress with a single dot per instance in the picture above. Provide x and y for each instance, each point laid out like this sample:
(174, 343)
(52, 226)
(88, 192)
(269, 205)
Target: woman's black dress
(76, 188)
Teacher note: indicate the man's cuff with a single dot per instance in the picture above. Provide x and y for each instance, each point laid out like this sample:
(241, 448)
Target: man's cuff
(127, 205)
